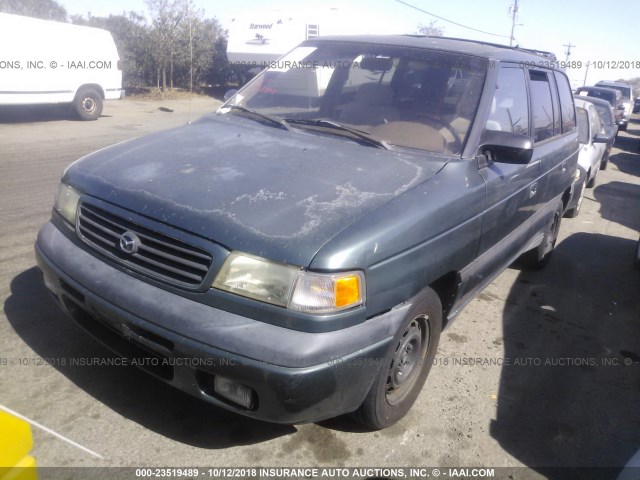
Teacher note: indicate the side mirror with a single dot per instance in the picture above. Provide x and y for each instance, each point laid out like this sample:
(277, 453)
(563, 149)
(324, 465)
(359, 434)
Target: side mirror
(620, 107)
(230, 93)
(506, 147)
(600, 138)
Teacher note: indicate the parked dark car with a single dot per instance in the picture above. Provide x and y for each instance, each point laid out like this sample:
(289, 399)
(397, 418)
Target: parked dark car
(614, 97)
(626, 92)
(636, 105)
(607, 120)
(295, 255)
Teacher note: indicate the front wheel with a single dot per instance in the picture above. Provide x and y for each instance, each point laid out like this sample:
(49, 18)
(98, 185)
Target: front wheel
(592, 183)
(573, 212)
(406, 364)
(88, 104)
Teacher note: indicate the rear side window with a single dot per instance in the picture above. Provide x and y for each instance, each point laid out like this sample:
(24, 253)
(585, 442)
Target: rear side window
(567, 109)
(542, 106)
(557, 118)
(509, 108)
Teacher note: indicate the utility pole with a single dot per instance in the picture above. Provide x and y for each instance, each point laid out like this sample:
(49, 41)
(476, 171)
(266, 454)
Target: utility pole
(586, 73)
(568, 52)
(514, 13)
(190, 56)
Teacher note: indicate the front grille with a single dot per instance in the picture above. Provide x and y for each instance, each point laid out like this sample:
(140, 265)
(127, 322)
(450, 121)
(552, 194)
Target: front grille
(158, 255)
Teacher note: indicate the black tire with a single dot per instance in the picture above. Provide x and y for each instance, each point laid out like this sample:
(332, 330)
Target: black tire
(592, 183)
(88, 104)
(406, 364)
(573, 212)
(538, 258)
(636, 260)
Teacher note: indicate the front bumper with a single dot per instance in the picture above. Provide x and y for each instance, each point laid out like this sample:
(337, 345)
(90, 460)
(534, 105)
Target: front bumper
(576, 189)
(114, 94)
(296, 376)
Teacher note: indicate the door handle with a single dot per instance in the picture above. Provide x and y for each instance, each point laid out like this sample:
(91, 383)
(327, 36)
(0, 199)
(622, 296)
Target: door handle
(533, 189)
(564, 166)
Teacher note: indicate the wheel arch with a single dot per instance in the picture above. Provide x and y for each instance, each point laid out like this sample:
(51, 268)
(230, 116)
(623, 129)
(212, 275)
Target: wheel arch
(94, 86)
(446, 287)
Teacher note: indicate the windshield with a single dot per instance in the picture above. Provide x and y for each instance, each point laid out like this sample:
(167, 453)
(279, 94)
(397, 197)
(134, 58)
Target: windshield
(625, 91)
(405, 97)
(602, 94)
(604, 112)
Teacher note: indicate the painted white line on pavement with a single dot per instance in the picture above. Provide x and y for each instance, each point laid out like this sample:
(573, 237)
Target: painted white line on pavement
(48, 430)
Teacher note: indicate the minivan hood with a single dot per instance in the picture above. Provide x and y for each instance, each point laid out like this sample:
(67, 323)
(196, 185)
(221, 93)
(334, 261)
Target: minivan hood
(250, 187)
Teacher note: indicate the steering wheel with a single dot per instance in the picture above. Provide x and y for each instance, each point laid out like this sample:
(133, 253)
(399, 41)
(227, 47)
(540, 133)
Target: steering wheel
(455, 145)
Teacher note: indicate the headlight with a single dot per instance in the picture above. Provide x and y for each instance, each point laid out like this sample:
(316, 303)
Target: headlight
(67, 202)
(257, 278)
(290, 286)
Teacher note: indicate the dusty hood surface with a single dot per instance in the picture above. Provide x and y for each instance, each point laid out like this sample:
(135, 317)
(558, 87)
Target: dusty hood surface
(250, 187)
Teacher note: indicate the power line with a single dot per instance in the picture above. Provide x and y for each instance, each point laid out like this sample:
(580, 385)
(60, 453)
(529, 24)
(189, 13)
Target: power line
(450, 21)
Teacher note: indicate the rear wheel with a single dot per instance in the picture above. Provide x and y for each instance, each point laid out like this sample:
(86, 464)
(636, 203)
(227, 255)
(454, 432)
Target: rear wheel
(406, 364)
(539, 257)
(88, 104)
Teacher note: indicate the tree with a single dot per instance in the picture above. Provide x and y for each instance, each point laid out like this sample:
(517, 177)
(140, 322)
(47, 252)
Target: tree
(207, 61)
(167, 20)
(45, 9)
(432, 30)
(179, 47)
(131, 35)
(184, 47)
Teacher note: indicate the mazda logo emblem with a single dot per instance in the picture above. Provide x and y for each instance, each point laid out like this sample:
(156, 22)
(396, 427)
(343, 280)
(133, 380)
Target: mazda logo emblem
(129, 242)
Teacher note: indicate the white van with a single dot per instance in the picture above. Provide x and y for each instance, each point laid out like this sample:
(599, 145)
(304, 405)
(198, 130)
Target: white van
(45, 62)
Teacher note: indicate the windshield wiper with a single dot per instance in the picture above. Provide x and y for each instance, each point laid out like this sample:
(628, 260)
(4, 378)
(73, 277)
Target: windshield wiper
(359, 134)
(279, 122)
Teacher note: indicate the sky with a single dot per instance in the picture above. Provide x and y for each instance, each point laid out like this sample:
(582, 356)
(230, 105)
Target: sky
(605, 35)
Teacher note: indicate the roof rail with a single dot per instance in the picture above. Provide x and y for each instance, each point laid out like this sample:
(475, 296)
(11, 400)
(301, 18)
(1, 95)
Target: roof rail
(540, 53)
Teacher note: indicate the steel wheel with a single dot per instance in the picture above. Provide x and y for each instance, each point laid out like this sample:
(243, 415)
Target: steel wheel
(88, 104)
(407, 360)
(406, 365)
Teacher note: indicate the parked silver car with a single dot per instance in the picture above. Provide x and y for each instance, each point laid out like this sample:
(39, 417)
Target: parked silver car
(608, 122)
(592, 148)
